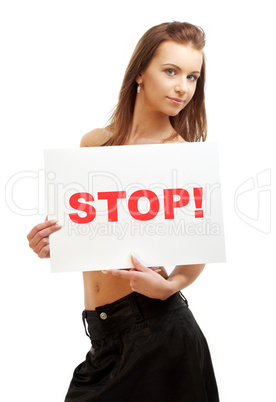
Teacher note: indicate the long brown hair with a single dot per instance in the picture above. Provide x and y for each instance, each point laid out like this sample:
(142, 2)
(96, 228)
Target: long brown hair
(191, 122)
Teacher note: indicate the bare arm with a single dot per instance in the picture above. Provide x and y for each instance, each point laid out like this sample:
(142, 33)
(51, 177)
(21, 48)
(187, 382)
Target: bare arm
(183, 275)
(149, 283)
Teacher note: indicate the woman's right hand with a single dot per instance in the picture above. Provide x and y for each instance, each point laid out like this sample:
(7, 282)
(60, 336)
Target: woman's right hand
(39, 237)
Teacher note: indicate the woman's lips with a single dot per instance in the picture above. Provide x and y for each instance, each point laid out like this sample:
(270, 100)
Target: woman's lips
(176, 101)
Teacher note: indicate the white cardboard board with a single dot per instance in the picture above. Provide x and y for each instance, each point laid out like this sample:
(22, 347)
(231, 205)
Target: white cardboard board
(162, 232)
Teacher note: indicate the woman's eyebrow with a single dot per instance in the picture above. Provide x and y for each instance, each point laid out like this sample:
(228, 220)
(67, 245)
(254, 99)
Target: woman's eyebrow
(171, 64)
(174, 65)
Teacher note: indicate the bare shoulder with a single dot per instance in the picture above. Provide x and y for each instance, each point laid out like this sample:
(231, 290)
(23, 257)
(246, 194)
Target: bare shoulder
(96, 137)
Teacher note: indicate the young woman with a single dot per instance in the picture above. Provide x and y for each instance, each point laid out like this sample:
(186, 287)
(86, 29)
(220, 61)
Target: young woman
(146, 344)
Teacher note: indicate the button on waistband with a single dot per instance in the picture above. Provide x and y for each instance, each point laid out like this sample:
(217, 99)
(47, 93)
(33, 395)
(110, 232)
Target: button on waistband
(103, 316)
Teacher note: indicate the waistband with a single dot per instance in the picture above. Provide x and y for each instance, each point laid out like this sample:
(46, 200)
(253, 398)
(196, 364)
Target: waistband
(127, 311)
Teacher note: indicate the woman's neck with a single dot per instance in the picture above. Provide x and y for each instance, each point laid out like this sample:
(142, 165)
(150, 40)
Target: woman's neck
(149, 126)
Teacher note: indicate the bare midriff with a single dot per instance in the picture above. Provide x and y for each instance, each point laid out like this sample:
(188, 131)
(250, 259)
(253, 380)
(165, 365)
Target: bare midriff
(101, 289)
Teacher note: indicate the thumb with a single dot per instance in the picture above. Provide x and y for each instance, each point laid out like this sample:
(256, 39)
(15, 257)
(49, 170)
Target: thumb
(138, 263)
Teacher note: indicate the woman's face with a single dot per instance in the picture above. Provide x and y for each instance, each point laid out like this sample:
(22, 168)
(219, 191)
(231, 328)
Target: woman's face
(169, 81)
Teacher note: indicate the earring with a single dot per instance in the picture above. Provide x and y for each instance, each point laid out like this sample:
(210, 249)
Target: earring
(138, 89)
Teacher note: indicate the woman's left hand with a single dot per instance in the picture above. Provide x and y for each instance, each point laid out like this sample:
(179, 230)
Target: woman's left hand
(144, 280)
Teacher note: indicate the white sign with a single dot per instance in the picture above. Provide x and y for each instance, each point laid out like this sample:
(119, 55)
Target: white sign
(162, 201)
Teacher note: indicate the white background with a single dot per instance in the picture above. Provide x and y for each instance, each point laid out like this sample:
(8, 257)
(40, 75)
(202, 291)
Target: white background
(62, 63)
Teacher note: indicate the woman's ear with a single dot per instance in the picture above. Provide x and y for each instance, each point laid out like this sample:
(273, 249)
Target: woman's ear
(139, 78)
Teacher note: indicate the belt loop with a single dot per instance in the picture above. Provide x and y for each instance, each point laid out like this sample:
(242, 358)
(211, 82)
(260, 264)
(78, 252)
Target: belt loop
(184, 298)
(84, 315)
(136, 306)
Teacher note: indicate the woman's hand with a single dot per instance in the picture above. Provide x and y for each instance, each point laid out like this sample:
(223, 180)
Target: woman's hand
(144, 280)
(39, 237)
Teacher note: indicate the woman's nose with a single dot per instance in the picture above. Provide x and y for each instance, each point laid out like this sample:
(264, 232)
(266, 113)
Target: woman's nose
(181, 86)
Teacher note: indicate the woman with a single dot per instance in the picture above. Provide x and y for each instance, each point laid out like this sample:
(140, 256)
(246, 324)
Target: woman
(146, 344)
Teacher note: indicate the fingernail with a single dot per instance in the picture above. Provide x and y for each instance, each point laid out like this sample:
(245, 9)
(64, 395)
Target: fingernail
(138, 258)
(104, 272)
(156, 269)
(53, 221)
(135, 256)
(58, 226)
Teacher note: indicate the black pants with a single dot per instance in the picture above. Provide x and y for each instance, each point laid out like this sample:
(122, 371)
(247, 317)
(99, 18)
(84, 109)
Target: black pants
(144, 350)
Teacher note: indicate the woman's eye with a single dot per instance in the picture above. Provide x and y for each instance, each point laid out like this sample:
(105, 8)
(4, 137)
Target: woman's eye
(170, 71)
(192, 77)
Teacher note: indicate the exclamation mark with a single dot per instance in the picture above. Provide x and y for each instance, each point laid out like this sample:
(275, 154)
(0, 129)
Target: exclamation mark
(198, 202)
